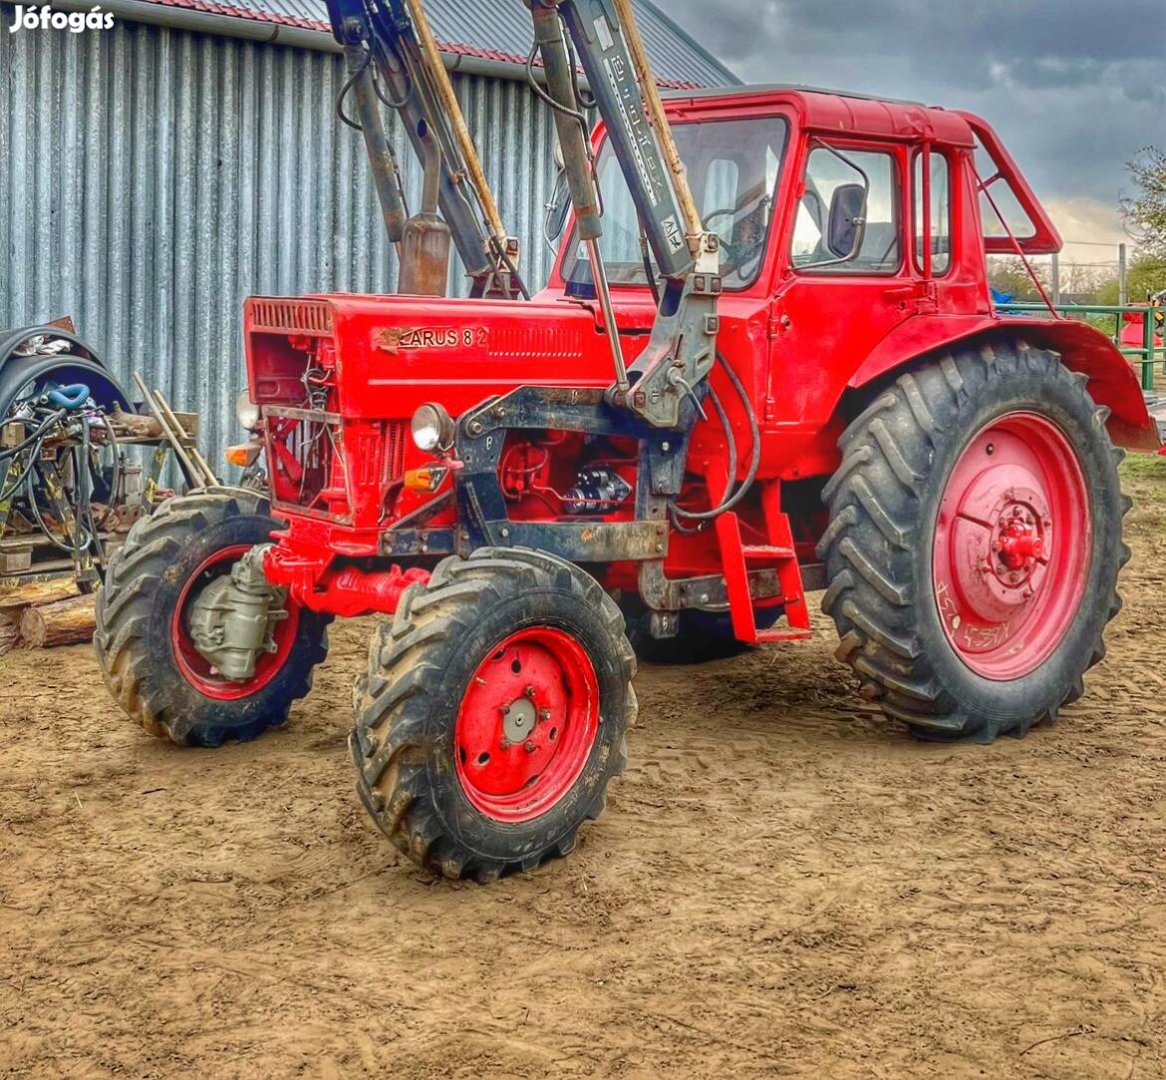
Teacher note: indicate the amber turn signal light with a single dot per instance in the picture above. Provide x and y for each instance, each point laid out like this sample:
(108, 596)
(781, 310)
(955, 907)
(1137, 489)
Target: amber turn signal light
(428, 479)
(244, 455)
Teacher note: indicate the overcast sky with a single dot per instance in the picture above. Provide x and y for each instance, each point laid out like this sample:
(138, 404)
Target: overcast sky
(1075, 87)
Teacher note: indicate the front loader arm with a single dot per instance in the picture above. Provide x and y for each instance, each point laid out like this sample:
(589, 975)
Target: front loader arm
(682, 348)
(397, 41)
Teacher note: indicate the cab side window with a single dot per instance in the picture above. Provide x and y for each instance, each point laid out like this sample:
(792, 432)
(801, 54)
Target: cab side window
(836, 179)
(940, 225)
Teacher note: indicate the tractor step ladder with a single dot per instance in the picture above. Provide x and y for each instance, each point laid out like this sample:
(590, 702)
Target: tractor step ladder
(738, 558)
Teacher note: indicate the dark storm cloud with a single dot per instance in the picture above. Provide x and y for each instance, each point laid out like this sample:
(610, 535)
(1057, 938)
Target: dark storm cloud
(1074, 86)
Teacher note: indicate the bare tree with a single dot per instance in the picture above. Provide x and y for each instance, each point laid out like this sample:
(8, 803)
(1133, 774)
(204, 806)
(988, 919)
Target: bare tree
(1144, 214)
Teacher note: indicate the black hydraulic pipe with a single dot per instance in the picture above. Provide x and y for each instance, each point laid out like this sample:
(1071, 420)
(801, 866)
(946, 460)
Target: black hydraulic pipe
(572, 137)
(380, 156)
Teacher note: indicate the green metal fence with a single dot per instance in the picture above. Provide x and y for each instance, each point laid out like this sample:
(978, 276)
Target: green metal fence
(1147, 354)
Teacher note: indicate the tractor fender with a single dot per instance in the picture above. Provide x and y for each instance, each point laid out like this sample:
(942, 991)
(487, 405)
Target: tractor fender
(1082, 348)
(80, 364)
(10, 339)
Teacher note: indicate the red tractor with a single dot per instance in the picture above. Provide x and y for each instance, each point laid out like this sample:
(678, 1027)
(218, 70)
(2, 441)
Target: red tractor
(772, 371)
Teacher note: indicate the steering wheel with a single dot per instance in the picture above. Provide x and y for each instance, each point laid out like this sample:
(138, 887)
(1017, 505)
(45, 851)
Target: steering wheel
(732, 255)
(738, 253)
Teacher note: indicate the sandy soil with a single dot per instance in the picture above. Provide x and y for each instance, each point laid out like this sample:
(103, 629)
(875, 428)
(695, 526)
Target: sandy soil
(784, 884)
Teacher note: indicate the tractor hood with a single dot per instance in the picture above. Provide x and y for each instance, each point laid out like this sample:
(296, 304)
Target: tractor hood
(380, 357)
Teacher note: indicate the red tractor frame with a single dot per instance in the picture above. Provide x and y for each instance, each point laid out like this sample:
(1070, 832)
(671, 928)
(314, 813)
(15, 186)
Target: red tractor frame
(873, 427)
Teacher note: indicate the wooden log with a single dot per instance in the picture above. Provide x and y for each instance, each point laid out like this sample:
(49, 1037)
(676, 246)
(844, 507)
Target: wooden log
(66, 622)
(15, 560)
(19, 594)
(9, 633)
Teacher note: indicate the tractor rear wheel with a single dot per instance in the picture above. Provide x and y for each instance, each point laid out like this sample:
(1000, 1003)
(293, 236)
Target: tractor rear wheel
(974, 543)
(143, 638)
(494, 713)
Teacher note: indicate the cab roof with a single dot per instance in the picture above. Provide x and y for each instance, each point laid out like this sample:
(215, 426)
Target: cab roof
(833, 111)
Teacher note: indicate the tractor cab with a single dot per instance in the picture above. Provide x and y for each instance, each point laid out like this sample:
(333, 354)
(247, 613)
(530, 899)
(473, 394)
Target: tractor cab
(820, 181)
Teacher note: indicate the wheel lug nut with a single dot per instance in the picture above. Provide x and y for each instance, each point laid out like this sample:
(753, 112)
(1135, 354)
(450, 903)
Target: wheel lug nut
(530, 691)
(544, 714)
(529, 746)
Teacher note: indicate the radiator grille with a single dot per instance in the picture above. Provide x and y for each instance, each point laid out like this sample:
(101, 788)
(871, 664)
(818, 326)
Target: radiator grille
(395, 448)
(321, 466)
(292, 316)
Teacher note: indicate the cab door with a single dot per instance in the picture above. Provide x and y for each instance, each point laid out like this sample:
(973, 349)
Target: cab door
(847, 281)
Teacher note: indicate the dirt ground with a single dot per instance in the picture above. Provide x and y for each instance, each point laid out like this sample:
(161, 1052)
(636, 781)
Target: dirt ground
(784, 884)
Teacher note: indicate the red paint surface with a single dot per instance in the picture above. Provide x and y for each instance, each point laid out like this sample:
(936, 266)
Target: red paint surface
(517, 781)
(801, 342)
(1012, 546)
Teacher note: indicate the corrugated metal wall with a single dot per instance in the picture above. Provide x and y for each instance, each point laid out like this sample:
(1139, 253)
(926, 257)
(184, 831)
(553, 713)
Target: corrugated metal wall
(151, 179)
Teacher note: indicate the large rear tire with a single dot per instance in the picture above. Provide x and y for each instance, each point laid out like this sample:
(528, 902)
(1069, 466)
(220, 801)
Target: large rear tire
(142, 638)
(974, 542)
(494, 713)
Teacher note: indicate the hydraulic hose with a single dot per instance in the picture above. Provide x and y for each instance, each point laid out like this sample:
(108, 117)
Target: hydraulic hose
(755, 458)
(731, 440)
(39, 433)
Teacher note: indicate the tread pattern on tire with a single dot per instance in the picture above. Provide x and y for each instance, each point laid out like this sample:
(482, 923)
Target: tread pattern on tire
(125, 608)
(391, 741)
(873, 500)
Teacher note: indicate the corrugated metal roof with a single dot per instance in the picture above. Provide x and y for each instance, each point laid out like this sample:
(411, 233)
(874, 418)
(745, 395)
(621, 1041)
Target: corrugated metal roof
(495, 30)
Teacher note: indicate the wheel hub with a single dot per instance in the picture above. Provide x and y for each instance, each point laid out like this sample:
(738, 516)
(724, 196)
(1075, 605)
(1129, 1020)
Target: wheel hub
(526, 724)
(519, 719)
(231, 632)
(1018, 544)
(1011, 546)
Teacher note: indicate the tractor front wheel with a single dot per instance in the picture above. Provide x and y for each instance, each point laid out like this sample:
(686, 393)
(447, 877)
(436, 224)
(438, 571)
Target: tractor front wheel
(975, 542)
(144, 642)
(494, 713)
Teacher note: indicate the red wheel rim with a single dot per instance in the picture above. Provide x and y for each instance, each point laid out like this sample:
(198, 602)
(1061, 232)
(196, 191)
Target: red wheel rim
(1012, 546)
(194, 667)
(527, 724)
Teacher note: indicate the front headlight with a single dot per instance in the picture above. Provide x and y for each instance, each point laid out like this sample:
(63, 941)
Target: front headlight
(247, 411)
(432, 428)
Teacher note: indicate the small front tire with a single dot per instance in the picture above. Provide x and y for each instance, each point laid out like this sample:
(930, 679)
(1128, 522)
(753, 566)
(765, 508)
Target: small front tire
(494, 713)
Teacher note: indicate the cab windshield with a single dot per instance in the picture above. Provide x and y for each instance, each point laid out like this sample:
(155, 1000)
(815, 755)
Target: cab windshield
(732, 167)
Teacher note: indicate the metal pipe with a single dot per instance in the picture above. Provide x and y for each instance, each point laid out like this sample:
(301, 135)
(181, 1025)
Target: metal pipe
(193, 475)
(425, 247)
(603, 290)
(431, 166)
(406, 80)
(453, 110)
(693, 225)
